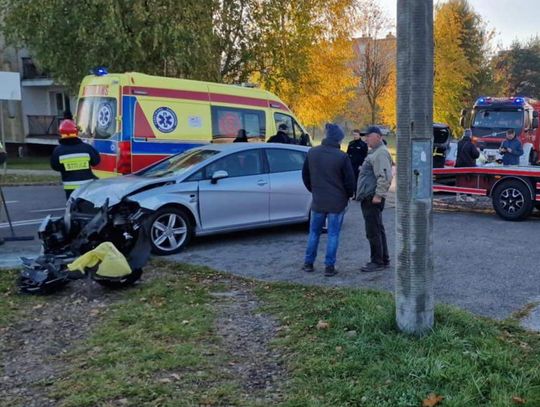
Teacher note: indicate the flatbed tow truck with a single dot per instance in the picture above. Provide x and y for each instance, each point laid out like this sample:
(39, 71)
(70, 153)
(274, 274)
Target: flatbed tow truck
(514, 190)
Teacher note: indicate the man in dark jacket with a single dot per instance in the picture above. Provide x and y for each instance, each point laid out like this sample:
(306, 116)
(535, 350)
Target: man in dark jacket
(357, 152)
(327, 173)
(511, 149)
(467, 152)
(73, 158)
(281, 136)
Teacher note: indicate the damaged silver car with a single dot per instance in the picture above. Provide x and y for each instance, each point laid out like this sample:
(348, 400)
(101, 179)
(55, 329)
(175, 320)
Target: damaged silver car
(209, 189)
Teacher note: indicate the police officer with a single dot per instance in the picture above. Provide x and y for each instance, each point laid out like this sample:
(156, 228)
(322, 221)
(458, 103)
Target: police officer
(357, 152)
(73, 158)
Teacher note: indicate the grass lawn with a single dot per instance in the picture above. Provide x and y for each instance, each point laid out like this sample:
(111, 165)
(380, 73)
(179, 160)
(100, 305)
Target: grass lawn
(28, 163)
(18, 179)
(158, 346)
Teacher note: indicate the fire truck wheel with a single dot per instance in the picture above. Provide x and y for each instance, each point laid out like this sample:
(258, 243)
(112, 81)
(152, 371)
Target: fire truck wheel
(171, 230)
(512, 200)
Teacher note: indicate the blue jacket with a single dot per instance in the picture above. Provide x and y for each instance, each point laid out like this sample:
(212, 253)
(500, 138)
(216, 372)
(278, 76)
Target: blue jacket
(517, 151)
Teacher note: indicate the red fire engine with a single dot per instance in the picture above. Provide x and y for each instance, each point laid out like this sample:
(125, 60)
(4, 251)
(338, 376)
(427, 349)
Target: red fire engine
(514, 190)
(492, 117)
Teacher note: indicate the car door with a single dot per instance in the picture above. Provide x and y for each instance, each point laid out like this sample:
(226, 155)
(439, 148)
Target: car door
(240, 199)
(289, 198)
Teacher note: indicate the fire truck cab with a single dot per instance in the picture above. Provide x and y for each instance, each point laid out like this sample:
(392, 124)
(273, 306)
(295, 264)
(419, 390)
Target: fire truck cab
(491, 117)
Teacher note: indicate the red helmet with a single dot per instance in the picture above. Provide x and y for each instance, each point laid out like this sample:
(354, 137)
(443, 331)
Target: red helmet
(68, 128)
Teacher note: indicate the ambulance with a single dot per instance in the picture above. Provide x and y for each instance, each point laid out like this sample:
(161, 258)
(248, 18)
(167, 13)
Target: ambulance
(134, 119)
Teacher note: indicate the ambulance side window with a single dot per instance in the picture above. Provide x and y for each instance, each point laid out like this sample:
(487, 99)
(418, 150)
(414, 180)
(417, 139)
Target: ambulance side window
(226, 121)
(281, 118)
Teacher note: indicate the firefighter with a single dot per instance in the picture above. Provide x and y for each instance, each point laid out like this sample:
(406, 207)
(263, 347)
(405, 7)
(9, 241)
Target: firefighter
(73, 158)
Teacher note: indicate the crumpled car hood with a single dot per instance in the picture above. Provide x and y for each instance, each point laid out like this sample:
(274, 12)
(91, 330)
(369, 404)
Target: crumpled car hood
(116, 188)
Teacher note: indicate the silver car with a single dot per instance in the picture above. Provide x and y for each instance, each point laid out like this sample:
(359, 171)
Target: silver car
(210, 189)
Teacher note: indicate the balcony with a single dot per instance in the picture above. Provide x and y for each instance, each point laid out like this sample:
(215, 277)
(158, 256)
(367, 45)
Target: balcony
(44, 126)
(30, 71)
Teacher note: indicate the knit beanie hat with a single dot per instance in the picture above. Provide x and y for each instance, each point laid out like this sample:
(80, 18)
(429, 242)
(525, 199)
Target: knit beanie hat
(334, 133)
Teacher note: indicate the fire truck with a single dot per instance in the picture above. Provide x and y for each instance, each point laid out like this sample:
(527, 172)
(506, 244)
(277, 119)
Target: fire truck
(514, 190)
(491, 117)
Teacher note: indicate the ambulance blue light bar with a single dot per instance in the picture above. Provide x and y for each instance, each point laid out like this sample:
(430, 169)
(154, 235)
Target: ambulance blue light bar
(519, 101)
(99, 71)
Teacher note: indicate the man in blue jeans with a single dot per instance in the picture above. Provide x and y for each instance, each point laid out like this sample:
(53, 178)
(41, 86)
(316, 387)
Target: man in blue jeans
(329, 176)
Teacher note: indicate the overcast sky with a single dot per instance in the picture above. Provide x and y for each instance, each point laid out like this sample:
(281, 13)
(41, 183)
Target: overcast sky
(511, 19)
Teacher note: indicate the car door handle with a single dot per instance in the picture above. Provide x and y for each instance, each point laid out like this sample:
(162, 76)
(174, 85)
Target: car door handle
(262, 182)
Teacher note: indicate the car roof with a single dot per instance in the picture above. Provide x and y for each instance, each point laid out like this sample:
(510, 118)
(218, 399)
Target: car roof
(232, 147)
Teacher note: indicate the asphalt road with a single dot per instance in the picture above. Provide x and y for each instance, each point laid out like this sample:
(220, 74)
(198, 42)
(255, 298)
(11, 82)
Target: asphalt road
(483, 264)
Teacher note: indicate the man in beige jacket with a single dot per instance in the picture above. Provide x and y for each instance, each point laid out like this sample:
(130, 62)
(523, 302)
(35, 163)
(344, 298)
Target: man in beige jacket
(373, 185)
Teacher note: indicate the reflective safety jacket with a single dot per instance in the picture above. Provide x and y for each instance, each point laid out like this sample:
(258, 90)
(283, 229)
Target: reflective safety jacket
(73, 158)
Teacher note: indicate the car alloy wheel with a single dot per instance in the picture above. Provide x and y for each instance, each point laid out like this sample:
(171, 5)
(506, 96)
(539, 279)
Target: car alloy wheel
(170, 231)
(512, 200)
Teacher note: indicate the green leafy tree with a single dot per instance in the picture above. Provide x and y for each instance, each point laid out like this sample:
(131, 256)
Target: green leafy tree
(162, 37)
(462, 69)
(517, 69)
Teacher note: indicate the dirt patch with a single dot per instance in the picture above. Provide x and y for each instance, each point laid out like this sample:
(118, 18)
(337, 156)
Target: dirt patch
(31, 349)
(451, 204)
(246, 334)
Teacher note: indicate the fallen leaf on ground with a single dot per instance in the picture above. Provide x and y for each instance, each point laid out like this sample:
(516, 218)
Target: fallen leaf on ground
(432, 400)
(518, 400)
(323, 325)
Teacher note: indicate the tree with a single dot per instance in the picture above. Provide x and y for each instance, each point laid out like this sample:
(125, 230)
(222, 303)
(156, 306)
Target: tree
(462, 69)
(164, 37)
(414, 271)
(375, 56)
(517, 69)
(304, 55)
(388, 100)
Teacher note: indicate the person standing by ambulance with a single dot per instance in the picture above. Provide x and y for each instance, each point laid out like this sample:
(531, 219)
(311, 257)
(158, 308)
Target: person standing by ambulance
(73, 158)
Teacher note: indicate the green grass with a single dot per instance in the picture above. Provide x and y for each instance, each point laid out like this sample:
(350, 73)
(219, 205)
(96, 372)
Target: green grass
(17, 179)
(468, 360)
(12, 305)
(152, 348)
(157, 346)
(29, 163)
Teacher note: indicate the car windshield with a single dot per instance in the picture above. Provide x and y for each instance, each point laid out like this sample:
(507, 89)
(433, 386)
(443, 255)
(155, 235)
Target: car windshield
(504, 119)
(177, 164)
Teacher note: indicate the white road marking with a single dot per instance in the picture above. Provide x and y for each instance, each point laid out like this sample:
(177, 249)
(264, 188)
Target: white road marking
(49, 210)
(11, 202)
(27, 222)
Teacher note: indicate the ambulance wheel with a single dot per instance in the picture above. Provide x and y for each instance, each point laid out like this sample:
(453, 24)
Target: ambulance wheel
(512, 200)
(120, 282)
(171, 230)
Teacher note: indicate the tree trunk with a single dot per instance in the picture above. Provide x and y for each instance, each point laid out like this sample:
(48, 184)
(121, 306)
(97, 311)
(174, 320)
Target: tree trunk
(414, 271)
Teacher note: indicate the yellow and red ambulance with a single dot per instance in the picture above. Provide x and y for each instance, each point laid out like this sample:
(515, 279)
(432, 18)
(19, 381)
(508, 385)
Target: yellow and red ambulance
(134, 119)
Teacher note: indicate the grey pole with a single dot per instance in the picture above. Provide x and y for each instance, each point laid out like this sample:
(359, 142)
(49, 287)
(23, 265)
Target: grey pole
(414, 271)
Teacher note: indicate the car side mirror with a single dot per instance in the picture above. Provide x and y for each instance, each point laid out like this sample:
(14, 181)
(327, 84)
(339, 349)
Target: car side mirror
(535, 122)
(217, 175)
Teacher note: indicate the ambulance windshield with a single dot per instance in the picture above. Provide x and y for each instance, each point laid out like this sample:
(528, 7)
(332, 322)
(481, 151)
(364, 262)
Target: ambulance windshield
(96, 117)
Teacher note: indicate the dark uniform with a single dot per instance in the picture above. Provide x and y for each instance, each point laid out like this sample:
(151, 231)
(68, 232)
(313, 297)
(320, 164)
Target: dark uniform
(357, 152)
(73, 159)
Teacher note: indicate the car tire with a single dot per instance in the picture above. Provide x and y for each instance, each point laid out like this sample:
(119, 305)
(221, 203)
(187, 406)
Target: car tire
(512, 200)
(170, 230)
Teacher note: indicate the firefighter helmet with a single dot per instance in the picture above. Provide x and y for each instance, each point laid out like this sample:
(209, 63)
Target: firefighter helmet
(68, 128)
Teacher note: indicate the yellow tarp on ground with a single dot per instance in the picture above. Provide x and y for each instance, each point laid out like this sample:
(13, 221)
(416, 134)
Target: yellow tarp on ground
(111, 262)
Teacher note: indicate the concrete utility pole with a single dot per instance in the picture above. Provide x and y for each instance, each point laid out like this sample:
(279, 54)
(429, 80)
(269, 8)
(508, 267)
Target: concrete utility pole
(414, 272)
